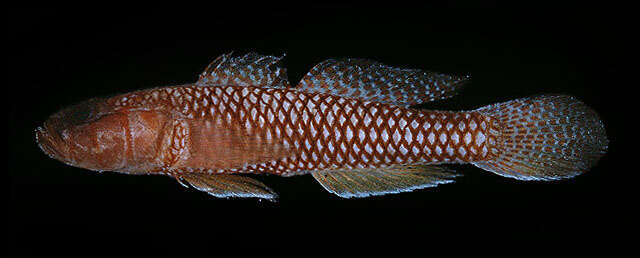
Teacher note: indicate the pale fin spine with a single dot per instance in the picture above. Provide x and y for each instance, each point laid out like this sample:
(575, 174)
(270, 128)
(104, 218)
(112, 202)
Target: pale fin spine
(251, 69)
(545, 138)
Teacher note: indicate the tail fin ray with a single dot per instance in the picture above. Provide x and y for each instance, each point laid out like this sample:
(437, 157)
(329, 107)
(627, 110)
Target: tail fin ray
(545, 138)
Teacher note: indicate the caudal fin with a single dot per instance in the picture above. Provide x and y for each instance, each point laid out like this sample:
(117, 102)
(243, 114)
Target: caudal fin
(545, 138)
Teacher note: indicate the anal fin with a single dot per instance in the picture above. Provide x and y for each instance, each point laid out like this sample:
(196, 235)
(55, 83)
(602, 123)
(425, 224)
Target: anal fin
(223, 185)
(380, 181)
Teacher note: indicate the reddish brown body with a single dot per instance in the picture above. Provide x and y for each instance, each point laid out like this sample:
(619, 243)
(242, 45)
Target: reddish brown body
(348, 123)
(229, 129)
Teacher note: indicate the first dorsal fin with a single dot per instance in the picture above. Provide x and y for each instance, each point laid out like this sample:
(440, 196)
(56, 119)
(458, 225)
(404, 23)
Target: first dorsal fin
(380, 181)
(251, 69)
(369, 80)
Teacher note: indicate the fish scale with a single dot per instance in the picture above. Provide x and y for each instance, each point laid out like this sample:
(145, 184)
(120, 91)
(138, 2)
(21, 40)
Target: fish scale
(349, 123)
(323, 131)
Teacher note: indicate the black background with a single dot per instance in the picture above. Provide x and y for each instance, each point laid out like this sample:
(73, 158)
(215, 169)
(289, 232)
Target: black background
(63, 55)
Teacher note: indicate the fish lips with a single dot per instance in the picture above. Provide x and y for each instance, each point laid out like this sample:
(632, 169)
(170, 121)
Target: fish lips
(49, 143)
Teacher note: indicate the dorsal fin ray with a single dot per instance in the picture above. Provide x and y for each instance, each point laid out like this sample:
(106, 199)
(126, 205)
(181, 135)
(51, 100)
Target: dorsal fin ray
(380, 181)
(251, 69)
(369, 80)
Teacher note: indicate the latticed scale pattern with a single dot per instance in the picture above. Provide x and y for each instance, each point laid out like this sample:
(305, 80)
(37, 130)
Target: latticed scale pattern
(326, 132)
(348, 123)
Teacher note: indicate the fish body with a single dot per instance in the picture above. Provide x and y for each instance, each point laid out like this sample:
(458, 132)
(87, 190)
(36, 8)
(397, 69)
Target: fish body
(319, 131)
(349, 123)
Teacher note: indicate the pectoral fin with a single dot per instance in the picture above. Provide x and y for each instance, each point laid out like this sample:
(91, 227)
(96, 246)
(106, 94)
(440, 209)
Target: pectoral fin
(220, 146)
(221, 185)
(380, 181)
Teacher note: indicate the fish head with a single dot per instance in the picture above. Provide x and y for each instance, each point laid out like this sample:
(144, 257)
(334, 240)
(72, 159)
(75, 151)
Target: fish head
(85, 135)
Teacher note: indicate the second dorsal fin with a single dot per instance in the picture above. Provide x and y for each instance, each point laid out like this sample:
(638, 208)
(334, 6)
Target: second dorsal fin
(369, 80)
(249, 70)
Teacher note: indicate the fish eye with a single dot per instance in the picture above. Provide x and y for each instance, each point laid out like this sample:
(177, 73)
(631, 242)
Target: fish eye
(78, 115)
(74, 115)
(81, 113)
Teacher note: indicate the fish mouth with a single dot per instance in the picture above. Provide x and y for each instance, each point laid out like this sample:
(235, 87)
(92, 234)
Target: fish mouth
(47, 143)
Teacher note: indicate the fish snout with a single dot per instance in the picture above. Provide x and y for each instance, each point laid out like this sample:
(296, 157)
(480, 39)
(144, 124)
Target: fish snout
(48, 143)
